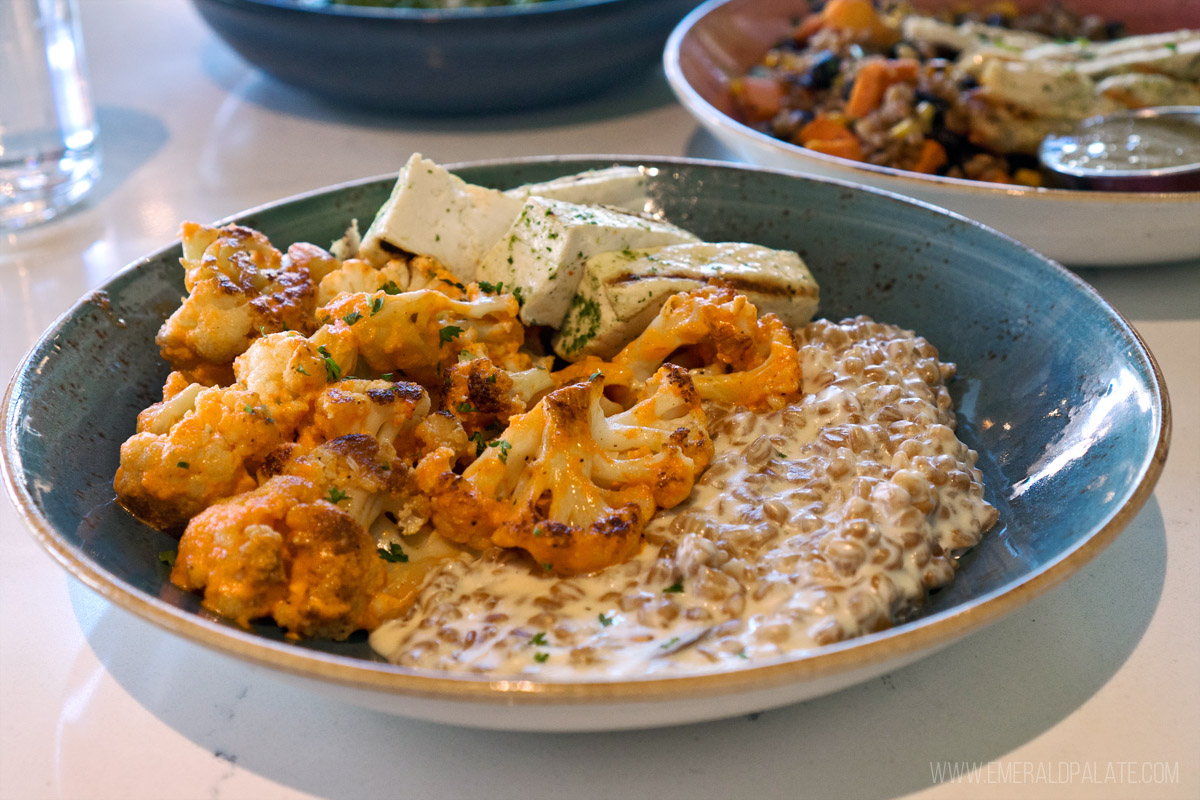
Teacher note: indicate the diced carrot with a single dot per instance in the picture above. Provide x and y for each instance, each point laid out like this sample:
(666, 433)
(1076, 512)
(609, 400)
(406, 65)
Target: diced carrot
(845, 148)
(824, 127)
(859, 16)
(850, 15)
(933, 156)
(807, 27)
(873, 79)
(760, 98)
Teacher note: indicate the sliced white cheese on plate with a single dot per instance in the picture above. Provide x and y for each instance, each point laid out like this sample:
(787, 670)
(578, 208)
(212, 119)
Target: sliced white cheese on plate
(621, 187)
(435, 213)
(622, 291)
(543, 252)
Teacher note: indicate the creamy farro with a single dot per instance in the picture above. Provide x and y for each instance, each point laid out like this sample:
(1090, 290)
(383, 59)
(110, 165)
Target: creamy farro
(824, 520)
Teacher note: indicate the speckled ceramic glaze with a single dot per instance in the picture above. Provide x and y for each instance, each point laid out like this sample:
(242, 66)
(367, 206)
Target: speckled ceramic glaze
(454, 61)
(722, 39)
(1055, 390)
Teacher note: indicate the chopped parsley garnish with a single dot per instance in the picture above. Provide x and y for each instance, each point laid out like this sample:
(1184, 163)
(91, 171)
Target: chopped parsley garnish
(393, 554)
(595, 375)
(539, 639)
(449, 333)
(490, 288)
(376, 305)
(387, 376)
(667, 645)
(1174, 48)
(504, 448)
(332, 371)
(168, 557)
(491, 378)
(741, 653)
(604, 621)
(336, 495)
(480, 442)
(455, 284)
(352, 317)
(182, 464)
(517, 294)
(547, 567)
(537, 532)
(300, 368)
(677, 586)
(541, 657)
(465, 408)
(391, 288)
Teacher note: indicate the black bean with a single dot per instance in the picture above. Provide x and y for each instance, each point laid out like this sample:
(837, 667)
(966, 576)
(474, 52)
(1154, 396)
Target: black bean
(821, 72)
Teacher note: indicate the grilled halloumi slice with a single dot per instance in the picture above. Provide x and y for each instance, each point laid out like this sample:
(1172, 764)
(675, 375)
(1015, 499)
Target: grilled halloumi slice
(622, 291)
(542, 254)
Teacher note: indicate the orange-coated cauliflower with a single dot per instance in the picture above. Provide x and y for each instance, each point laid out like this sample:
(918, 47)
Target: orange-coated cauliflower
(570, 485)
(482, 396)
(417, 335)
(202, 444)
(299, 548)
(736, 357)
(398, 275)
(388, 411)
(239, 286)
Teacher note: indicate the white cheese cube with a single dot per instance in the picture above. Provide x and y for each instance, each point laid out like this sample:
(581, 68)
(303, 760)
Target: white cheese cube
(434, 213)
(543, 253)
(621, 292)
(620, 187)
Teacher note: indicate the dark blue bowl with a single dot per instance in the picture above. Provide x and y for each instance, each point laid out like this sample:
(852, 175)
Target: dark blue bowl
(453, 61)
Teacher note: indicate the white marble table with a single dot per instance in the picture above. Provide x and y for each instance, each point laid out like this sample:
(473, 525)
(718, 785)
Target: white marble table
(1091, 691)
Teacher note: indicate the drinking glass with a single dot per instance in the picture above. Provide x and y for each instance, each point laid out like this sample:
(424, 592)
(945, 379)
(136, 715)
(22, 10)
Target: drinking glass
(48, 153)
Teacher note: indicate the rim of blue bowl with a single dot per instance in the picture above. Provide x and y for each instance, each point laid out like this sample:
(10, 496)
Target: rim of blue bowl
(910, 639)
(425, 14)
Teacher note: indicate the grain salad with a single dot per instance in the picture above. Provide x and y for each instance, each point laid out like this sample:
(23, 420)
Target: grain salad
(968, 95)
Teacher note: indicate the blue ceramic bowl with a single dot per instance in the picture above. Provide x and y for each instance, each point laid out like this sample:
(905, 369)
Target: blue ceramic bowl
(453, 61)
(1054, 390)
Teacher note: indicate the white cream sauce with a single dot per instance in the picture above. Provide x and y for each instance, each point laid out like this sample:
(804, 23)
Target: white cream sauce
(819, 522)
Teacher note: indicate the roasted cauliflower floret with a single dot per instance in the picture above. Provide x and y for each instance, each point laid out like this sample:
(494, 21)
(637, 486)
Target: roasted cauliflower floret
(388, 411)
(483, 396)
(299, 548)
(201, 445)
(570, 485)
(736, 357)
(239, 286)
(419, 334)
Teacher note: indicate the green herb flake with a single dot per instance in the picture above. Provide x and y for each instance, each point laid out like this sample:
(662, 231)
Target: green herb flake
(667, 645)
(376, 305)
(391, 288)
(352, 317)
(465, 408)
(539, 639)
(547, 567)
(332, 371)
(1174, 48)
(516, 292)
(677, 586)
(595, 375)
(604, 621)
(168, 557)
(182, 464)
(449, 333)
(455, 284)
(336, 495)
(393, 554)
(480, 442)
(387, 376)
(300, 368)
(541, 657)
(742, 653)
(491, 378)
(504, 448)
